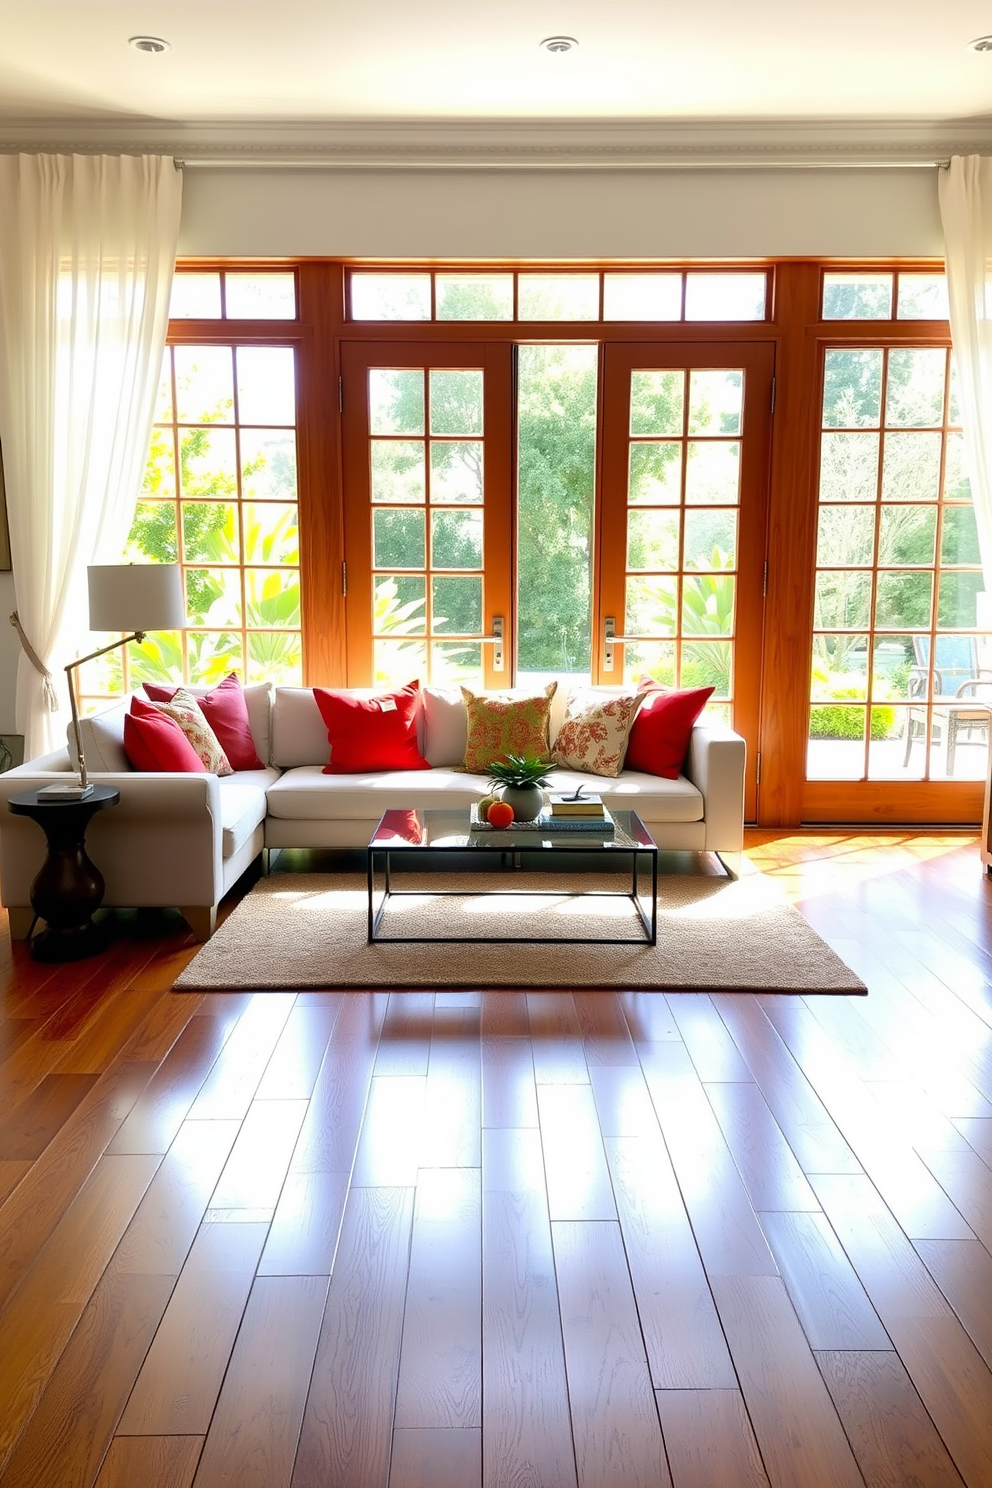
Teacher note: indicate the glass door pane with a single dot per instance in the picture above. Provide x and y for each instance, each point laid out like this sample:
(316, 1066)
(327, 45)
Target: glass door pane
(426, 520)
(682, 523)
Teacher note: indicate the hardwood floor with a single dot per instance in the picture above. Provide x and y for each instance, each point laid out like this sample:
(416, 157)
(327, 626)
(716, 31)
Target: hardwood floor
(587, 1240)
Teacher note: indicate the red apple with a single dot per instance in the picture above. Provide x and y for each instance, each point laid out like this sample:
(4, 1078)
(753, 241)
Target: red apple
(500, 814)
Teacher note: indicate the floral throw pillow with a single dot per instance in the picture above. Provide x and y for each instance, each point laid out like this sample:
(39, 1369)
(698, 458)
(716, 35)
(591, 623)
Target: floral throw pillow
(185, 710)
(503, 723)
(594, 733)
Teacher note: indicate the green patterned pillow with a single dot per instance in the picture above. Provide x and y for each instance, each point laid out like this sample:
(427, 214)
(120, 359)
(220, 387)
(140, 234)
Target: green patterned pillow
(502, 723)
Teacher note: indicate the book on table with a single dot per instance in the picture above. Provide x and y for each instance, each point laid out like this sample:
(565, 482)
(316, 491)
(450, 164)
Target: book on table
(600, 826)
(580, 806)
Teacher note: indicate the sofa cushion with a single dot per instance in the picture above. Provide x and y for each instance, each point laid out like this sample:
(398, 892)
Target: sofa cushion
(659, 739)
(445, 726)
(299, 736)
(102, 736)
(594, 732)
(242, 806)
(307, 794)
(153, 741)
(371, 733)
(226, 710)
(503, 723)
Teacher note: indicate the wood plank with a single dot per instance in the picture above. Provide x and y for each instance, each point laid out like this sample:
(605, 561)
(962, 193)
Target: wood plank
(682, 1333)
(711, 1048)
(11, 1174)
(303, 1235)
(727, 1231)
(623, 1105)
(800, 1438)
(389, 1147)
(556, 1036)
(440, 1375)
(964, 1176)
(709, 1439)
(963, 1271)
(452, 1132)
(163, 1106)
(405, 1043)
(575, 1163)
(615, 1422)
(504, 1014)
(230, 1087)
(39, 1319)
(152, 1461)
(158, 1239)
(255, 1427)
(329, 1135)
(30, 1126)
(893, 1438)
(182, 1373)
(831, 1302)
(648, 1017)
(348, 1419)
(526, 1427)
(802, 1117)
(38, 1202)
(68, 1435)
(442, 1457)
(509, 1091)
(292, 1071)
(772, 1176)
(606, 1039)
(955, 1385)
(256, 1168)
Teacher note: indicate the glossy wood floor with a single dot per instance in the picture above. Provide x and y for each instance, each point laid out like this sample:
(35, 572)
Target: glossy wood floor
(525, 1240)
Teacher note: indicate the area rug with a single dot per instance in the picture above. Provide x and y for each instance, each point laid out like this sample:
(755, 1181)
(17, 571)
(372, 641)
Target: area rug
(303, 930)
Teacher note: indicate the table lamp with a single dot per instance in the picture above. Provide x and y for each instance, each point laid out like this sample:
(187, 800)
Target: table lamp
(133, 597)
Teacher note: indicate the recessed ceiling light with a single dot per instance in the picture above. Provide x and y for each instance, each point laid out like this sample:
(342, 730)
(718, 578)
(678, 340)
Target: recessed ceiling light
(559, 43)
(980, 44)
(148, 43)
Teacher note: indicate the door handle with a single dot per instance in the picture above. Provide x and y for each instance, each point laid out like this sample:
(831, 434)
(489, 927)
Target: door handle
(496, 641)
(611, 639)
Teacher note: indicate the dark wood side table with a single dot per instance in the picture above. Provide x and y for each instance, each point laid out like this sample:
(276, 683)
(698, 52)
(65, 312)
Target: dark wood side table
(69, 887)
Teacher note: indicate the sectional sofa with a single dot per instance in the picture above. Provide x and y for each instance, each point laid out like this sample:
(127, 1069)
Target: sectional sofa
(183, 840)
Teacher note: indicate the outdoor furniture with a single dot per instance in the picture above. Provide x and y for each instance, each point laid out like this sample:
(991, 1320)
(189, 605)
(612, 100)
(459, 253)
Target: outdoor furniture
(954, 685)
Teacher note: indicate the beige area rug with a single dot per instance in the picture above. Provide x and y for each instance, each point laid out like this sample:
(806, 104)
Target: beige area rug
(300, 930)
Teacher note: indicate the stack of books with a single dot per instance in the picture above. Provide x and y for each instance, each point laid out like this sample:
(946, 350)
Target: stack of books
(578, 814)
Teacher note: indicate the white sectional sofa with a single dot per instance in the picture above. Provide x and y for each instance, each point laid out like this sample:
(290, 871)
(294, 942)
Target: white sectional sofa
(183, 840)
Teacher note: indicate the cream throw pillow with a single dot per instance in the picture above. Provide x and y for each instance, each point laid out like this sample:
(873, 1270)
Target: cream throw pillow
(594, 732)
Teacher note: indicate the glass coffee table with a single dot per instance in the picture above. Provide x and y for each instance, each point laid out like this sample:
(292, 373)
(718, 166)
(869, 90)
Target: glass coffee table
(404, 838)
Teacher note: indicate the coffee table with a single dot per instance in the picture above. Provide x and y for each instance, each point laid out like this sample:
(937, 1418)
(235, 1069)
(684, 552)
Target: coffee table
(404, 837)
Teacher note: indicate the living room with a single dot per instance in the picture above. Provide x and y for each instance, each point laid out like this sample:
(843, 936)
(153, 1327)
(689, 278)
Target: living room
(545, 1233)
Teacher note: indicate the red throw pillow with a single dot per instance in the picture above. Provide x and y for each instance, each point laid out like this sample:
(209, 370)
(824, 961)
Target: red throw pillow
(227, 714)
(659, 739)
(371, 733)
(154, 741)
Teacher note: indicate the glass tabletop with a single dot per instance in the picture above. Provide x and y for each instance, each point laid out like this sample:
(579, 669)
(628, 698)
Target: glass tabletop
(442, 830)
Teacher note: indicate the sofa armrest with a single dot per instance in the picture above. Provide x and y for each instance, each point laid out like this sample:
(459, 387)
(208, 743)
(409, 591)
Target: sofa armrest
(716, 768)
(162, 844)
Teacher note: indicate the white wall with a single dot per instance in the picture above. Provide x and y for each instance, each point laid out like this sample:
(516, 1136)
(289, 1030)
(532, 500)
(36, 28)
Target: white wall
(712, 213)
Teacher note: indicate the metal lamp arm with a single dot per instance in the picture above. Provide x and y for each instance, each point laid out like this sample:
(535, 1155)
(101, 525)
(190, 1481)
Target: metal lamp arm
(137, 635)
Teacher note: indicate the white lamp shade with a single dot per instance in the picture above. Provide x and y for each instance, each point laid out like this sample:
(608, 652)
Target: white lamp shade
(136, 596)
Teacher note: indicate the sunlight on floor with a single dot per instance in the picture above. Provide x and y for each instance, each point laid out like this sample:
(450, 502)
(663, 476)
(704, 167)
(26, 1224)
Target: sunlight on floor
(809, 864)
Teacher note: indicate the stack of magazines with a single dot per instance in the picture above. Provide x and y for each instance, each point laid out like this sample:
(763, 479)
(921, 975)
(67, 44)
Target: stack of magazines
(578, 813)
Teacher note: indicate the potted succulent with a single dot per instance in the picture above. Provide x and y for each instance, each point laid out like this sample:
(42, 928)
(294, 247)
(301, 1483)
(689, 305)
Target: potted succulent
(519, 779)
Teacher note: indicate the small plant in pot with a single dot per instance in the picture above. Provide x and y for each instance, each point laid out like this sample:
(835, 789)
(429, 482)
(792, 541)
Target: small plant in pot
(520, 781)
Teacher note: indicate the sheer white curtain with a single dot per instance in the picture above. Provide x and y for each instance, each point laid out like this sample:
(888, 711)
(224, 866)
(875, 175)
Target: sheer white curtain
(965, 192)
(87, 253)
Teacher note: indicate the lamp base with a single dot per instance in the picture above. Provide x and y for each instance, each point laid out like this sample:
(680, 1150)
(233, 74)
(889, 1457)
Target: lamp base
(71, 791)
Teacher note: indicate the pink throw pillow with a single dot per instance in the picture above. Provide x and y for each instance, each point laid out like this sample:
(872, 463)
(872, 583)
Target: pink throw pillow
(225, 710)
(371, 733)
(154, 741)
(659, 738)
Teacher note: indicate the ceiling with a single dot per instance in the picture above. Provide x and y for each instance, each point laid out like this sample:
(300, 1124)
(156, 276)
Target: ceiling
(393, 79)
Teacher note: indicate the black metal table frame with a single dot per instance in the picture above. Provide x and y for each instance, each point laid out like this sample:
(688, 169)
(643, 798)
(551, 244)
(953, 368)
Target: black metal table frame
(381, 857)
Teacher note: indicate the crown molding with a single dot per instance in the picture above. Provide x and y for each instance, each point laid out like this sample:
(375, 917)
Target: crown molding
(524, 144)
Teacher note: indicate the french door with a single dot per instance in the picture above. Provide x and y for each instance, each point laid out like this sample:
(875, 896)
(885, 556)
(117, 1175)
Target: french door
(427, 510)
(682, 523)
(439, 485)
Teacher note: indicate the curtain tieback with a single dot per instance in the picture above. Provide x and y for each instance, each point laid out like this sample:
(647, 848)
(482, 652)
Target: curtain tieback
(51, 696)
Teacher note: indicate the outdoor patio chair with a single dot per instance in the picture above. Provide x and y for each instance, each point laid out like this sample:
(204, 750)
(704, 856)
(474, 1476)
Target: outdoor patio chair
(955, 683)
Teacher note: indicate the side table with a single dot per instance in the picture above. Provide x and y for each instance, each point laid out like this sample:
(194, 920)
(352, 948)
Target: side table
(69, 887)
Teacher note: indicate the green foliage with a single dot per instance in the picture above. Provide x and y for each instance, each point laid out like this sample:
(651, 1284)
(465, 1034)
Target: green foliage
(519, 770)
(837, 721)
